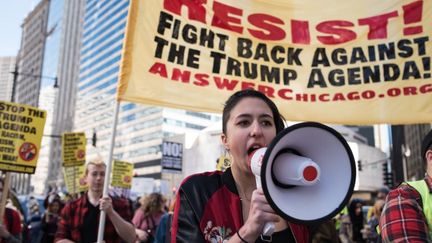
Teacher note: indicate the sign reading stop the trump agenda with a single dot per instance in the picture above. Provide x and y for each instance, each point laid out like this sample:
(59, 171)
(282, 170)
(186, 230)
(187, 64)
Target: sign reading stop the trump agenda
(21, 130)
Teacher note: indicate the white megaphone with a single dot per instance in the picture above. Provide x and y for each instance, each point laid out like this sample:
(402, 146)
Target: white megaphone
(307, 173)
(289, 169)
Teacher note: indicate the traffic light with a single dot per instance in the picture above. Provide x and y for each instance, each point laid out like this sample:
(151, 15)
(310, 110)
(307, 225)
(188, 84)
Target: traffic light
(94, 139)
(388, 179)
(387, 176)
(359, 165)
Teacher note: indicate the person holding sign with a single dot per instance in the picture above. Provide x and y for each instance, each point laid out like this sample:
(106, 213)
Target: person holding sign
(79, 219)
(227, 206)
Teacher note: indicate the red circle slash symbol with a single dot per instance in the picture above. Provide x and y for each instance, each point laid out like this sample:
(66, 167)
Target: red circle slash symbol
(80, 154)
(27, 151)
(127, 179)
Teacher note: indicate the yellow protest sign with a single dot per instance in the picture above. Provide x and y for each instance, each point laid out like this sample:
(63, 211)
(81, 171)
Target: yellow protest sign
(21, 130)
(122, 174)
(74, 177)
(331, 61)
(73, 148)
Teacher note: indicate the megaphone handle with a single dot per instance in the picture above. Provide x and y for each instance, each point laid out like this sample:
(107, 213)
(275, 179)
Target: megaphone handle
(269, 227)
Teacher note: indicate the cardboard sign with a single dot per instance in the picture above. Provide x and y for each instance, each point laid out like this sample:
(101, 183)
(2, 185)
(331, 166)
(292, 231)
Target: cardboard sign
(172, 156)
(122, 174)
(73, 148)
(74, 177)
(21, 130)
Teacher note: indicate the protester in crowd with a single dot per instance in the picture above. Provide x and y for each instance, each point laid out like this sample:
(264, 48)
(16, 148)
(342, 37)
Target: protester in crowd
(10, 226)
(370, 232)
(34, 221)
(50, 219)
(407, 214)
(352, 223)
(381, 195)
(79, 219)
(51, 197)
(226, 206)
(325, 232)
(163, 231)
(147, 218)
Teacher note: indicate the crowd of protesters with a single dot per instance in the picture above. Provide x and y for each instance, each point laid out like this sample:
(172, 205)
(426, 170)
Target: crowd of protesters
(148, 220)
(69, 218)
(75, 218)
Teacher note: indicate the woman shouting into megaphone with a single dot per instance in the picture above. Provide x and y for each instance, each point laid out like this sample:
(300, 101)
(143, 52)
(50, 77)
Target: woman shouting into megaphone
(227, 206)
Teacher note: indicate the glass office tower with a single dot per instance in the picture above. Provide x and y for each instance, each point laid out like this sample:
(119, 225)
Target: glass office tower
(141, 129)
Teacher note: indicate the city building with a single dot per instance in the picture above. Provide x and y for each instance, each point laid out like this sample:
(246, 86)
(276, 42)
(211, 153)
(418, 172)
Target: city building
(7, 66)
(60, 72)
(26, 85)
(47, 74)
(141, 128)
(30, 55)
(407, 162)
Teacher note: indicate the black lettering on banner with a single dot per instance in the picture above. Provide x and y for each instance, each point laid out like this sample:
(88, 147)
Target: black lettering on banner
(177, 54)
(36, 113)
(261, 52)
(403, 48)
(388, 72)
(17, 127)
(17, 168)
(174, 29)
(11, 108)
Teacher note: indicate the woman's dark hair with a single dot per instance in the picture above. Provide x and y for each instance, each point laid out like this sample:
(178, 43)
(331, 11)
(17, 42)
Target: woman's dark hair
(357, 221)
(250, 93)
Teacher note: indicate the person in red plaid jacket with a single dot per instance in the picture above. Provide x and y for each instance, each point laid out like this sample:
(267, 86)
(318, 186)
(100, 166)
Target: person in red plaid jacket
(407, 215)
(79, 220)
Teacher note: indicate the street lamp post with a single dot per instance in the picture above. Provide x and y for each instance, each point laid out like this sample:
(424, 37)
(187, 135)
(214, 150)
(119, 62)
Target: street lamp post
(15, 80)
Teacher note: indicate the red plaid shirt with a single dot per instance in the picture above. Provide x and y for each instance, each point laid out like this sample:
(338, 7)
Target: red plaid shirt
(402, 219)
(73, 214)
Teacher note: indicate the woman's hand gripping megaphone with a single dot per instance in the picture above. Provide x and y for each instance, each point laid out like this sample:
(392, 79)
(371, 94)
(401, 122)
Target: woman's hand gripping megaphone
(255, 162)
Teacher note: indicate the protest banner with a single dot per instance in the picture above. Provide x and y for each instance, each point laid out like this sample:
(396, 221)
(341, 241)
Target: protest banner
(349, 62)
(21, 131)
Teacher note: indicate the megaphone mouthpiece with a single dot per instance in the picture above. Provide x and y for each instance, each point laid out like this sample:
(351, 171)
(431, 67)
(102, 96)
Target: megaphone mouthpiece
(289, 169)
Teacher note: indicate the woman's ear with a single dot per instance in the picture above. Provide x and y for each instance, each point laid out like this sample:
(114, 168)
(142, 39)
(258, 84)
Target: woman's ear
(224, 141)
